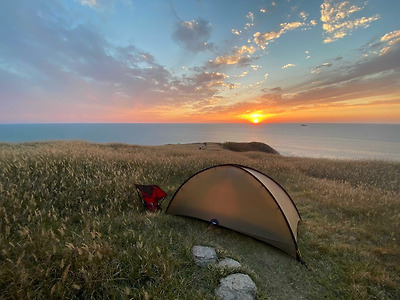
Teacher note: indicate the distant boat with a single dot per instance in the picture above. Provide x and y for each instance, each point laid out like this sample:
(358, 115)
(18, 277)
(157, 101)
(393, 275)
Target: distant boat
(303, 124)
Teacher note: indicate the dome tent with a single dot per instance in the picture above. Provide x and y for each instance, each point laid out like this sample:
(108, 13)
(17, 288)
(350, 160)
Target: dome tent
(242, 199)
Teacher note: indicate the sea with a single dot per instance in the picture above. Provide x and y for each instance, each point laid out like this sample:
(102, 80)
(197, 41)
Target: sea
(337, 141)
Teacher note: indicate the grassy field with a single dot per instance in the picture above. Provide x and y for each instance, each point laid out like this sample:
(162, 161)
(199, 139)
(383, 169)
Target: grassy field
(72, 226)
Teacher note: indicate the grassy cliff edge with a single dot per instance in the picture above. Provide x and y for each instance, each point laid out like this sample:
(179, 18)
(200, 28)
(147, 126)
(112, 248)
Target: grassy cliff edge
(72, 226)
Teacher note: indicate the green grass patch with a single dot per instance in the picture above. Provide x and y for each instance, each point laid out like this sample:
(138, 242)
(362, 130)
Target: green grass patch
(72, 225)
(252, 146)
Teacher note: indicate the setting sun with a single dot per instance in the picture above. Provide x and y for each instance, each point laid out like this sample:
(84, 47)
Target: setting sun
(256, 117)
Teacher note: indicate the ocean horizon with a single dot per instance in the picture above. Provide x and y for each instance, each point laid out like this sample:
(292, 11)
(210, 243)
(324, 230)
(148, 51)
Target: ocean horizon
(315, 140)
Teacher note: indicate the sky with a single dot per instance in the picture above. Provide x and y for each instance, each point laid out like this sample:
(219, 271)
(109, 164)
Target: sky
(159, 61)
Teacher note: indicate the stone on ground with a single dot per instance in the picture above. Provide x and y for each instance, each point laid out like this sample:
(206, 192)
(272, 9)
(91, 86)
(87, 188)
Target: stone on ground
(229, 263)
(204, 256)
(237, 286)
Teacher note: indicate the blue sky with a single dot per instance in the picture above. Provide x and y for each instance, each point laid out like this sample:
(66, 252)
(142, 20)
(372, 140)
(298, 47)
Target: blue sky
(199, 61)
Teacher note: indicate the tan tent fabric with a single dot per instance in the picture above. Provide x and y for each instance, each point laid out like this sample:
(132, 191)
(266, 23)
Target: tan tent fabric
(242, 199)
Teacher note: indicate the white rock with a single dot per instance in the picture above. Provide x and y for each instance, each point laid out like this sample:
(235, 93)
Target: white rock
(229, 263)
(236, 286)
(204, 256)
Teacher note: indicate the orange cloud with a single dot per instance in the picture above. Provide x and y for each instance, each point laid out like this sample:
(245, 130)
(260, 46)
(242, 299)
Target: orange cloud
(383, 113)
(262, 39)
(235, 57)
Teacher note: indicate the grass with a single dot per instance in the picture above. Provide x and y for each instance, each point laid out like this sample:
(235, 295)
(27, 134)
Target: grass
(252, 146)
(72, 225)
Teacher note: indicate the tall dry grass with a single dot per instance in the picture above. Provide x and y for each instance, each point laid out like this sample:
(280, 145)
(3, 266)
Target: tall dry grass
(72, 225)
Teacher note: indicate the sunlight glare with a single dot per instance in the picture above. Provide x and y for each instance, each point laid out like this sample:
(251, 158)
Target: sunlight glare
(256, 118)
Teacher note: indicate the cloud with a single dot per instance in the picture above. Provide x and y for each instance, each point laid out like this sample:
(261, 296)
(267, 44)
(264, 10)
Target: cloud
(303, 15)
(347, 91)
(263, 39)
(63, 67)
(291, 26)
(201, 86)
(250, 16)
(74, 73)
(391, 39)
(88, 2)
(235, 31)
(336, 19)
(288, 66)
(243, 74)
(394, 35)
(193, 35)
(102, 4)
(368, 68)
(367, 82)
(352, 93)
(363, 80)
(240, 56)
(318, 69)
(383, 45)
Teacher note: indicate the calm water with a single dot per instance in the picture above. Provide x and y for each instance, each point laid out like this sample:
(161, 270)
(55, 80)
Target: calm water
(360, 141)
